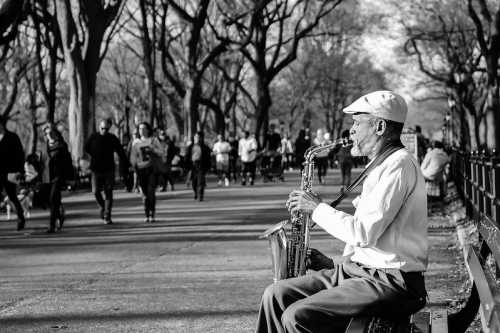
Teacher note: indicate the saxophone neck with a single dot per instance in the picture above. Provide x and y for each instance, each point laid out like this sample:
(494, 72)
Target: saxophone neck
(313, 151)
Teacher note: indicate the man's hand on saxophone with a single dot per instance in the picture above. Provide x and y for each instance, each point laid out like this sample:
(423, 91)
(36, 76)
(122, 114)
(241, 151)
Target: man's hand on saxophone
(304, 202)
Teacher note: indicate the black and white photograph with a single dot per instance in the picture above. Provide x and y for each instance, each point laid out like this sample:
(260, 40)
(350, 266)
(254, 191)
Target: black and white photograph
(249, 166)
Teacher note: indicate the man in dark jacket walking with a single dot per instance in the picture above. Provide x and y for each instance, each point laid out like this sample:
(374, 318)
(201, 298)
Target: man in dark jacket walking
(11, 168)
(101, 147)
(198, 159)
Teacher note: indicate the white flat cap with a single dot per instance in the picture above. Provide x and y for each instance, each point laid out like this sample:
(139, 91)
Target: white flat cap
(384, 104)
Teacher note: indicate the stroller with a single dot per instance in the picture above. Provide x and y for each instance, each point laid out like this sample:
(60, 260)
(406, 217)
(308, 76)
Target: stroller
(271, 167)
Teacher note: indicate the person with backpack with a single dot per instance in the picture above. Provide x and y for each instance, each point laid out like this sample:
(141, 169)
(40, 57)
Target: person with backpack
(60, 169)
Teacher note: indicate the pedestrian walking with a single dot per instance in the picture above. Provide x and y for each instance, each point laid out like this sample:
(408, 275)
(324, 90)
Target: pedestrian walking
(433, 167)
(272, 140)
(198, 162)
(221, 151)
(135, 138)
(344, 159)
(247, 150)
(322, 158)
(144, 151)
(11, 168)
(127, 173)
(101, 147)
(286, 151)
(301, 145)
(165, 176)
(233, 158)
(59, 169)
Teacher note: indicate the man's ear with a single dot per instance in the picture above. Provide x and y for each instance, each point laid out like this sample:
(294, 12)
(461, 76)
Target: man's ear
(381, 127)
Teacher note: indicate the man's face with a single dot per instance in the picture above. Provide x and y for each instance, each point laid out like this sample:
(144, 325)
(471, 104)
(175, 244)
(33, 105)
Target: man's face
(103, 127)
(196, 139)
(219, 137)
(363, 134)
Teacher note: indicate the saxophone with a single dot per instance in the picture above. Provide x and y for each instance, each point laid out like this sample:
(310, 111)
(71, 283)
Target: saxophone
(289, 254)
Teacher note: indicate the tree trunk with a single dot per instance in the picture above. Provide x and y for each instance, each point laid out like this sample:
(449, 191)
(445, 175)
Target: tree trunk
(492, 123)
(220, 123)
(263, 104)
(79, 119)
(473, 131)
(191, 103)
(51, 102)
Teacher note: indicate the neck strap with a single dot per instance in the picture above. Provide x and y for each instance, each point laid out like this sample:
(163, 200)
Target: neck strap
(390, 148)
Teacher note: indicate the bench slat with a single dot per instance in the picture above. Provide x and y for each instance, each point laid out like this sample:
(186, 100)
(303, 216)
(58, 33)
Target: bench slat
(421, 320)
(484, 283)
(491, 234)
(439, 321)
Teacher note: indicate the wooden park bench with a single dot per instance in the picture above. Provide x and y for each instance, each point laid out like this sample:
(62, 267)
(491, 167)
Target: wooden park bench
(480, 190)
(420, 322)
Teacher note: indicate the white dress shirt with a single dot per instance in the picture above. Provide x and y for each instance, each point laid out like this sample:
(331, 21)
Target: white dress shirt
(389, 226)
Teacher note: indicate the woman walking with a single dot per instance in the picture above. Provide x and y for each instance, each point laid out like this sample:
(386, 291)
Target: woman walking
(144, 151)
(60, 168)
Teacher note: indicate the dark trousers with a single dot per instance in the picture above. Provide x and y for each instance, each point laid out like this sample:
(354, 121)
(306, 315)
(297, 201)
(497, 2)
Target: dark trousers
(164, 179)
(55, 203)
(325, 301)
(198, 181)
(147, 183)
(233, 171)
(104, 182)
(247, 170)
(11, 191)
(345, 170)
(322, 165)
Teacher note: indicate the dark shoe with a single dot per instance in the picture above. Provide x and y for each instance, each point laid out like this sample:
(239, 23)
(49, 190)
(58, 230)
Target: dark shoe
(108, 221)
(50, 231)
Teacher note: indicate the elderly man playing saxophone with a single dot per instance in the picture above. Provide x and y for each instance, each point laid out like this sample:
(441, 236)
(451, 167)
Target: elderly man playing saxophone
(386, 238)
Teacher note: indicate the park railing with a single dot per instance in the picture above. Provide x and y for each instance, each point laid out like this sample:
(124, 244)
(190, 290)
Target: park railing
(477, 178)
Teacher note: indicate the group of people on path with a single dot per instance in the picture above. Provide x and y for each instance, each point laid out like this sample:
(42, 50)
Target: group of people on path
(149, 158)
(56, 170)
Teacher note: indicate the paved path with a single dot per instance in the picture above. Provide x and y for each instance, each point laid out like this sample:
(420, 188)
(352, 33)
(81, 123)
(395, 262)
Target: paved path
(200, 268)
